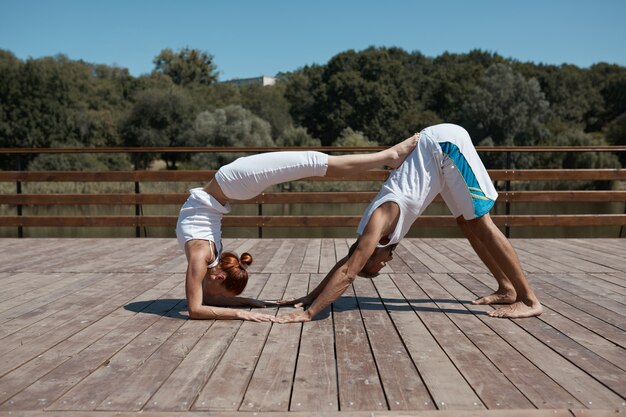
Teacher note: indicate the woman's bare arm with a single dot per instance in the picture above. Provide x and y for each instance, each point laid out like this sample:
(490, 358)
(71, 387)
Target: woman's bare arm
(198, 255)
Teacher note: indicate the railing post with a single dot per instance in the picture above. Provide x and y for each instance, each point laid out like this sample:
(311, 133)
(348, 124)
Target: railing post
(260, 214)
(137, 191)
(507, 204)
(18, 190)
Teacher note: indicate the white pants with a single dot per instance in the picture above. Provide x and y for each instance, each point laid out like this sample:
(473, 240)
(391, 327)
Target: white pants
(247, 177)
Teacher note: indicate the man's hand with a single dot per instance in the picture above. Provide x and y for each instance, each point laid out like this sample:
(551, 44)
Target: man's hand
(296, 317)
(296, 302)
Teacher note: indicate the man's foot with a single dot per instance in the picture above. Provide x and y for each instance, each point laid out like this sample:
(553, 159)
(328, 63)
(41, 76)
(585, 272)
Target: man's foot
(518, 310)
(498, 297)
(399, 152)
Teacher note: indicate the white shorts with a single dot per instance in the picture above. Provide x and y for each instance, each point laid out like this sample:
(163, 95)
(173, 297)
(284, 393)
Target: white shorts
(466, 187)
(247, 177)
(443, 162)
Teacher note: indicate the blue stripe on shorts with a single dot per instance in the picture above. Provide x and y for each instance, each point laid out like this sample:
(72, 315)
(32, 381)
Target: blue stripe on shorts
(482, 204)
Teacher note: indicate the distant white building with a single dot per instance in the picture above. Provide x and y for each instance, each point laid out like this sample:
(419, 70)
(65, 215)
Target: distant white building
(263, 80)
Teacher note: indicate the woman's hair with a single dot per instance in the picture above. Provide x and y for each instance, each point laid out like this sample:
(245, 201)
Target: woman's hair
(235, 269)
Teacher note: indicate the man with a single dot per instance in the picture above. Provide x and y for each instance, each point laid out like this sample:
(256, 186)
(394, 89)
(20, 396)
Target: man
(444, 162)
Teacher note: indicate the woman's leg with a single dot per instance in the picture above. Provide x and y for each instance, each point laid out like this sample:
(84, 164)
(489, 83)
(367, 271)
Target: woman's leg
(339, 165)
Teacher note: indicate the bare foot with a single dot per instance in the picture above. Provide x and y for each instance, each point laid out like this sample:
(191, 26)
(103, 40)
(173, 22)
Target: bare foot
(518, 310)
(399, 152)
(497, 297)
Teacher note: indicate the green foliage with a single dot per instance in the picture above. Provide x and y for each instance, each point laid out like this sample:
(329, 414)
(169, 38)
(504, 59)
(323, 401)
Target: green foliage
(369, 91)
(230, 126)
(297, 136)
(507, 108)
(269, 104)
(350, 137)
(616, 134)
(186, 66)
(160, 118)
(79, 161)
(376, 96)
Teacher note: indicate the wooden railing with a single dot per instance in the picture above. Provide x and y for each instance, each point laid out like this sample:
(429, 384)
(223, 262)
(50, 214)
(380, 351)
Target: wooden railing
(260, 221)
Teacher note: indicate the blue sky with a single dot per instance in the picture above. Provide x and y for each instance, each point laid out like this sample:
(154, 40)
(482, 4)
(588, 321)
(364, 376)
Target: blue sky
(251, 38)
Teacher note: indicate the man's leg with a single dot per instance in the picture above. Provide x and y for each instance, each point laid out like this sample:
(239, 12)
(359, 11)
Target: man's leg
(498, 246)
(505, 294)
(339, 165)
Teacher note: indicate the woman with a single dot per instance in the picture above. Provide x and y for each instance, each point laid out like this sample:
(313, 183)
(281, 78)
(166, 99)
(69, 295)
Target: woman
(214, 279)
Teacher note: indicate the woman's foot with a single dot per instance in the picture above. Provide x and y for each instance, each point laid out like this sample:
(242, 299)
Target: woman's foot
(518, 310)
(399, 152)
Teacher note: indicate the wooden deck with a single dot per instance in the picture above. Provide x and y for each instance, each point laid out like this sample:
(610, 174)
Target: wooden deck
(98, 327)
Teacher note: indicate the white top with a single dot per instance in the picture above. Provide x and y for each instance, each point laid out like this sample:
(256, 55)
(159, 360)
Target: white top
(201, 218)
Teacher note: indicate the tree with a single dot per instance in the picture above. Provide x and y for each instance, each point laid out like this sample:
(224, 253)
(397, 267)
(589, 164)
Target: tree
(615, 133)
(368, 91)
(506, 109)
(297, 136)
(160, 118)
(350, 137)
(230, 126)
(187, 66)
(452, 79)
(269, 103)
(570, 91)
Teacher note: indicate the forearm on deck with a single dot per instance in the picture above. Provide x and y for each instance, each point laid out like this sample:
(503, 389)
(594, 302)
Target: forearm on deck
(214, 313)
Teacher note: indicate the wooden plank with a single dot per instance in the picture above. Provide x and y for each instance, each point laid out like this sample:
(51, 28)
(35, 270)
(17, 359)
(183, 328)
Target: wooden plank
(491, 386)
(270, 385)
(327, 256)
(445, 383)
(557, 174)
(402, 384)
(547, 250)
(294, 262)
(78, 311)
(607, 174)
(39, 252)
(414, 263)
(312, 256)
(133, 392)
(136, 344)
(227, 384)
(584, 291)
(305, 221)
(44, 366)
(95, 356)
(575, 380)
(335, 197)
(587, 337)
(280, 258)
(181, 388)
(528, 378)
(589, 307)
(573, 311)
(360, 387)
(315, 379)
(414, 250)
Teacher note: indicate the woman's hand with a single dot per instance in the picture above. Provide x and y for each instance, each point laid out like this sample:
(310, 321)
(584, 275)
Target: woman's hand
(256, 317)
(296, 317)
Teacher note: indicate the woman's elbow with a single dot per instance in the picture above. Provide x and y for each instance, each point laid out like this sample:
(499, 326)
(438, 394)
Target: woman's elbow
(195, 314)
